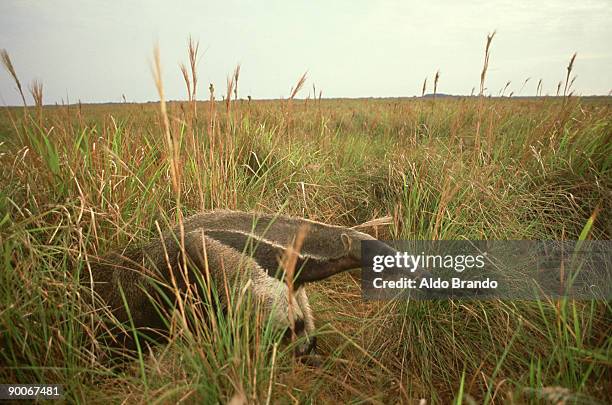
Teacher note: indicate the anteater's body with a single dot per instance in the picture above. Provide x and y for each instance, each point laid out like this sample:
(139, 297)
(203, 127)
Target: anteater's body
(221, 247)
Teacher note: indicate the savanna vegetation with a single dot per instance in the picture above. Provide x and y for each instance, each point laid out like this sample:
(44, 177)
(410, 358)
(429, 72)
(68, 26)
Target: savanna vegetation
(79, 180)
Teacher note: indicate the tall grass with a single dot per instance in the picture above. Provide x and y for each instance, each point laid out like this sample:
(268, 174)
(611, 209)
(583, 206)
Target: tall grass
(79, 181)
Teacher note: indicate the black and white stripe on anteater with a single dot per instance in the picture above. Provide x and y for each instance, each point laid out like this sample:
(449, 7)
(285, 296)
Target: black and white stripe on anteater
(234, 246)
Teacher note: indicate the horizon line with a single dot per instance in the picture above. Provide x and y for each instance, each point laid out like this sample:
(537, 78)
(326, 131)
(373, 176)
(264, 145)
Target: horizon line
(222, 100)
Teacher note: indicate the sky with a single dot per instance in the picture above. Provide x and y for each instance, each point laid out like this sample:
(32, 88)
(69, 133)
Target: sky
(98, 51)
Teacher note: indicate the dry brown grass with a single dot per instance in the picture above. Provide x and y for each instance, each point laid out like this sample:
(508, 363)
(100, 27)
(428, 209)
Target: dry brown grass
(568, 84)
(8, 65)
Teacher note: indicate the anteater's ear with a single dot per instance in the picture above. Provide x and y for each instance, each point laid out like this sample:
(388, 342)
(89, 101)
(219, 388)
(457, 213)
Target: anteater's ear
(346, 241)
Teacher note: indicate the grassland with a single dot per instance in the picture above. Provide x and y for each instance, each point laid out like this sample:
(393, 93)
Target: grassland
(79, 180)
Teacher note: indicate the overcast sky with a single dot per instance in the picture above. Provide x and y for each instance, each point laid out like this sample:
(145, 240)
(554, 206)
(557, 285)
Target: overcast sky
(96, 51)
